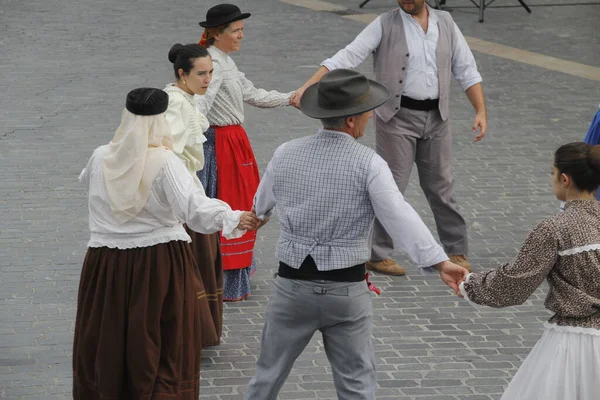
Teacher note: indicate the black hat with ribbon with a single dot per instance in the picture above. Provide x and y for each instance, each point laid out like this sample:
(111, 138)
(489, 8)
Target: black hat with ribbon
(223, 14)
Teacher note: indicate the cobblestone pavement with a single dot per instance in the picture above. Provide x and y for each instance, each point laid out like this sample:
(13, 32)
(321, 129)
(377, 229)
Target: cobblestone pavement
(66, 66)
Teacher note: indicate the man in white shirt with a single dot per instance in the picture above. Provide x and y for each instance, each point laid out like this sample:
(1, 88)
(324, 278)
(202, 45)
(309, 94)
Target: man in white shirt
(416, 50)
(328, 189)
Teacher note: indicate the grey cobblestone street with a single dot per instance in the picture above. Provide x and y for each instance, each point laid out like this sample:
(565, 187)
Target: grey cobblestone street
(66, 67)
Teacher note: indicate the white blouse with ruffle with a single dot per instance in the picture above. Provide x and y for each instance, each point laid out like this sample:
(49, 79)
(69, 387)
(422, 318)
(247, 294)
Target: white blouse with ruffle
(188, 125)
(173, 201)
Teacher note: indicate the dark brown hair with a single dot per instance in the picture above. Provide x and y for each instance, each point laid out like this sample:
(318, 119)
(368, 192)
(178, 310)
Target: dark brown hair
(581, 162)
(183, 57)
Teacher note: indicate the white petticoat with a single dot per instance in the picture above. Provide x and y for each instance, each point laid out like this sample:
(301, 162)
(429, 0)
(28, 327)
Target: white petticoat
(563, 365)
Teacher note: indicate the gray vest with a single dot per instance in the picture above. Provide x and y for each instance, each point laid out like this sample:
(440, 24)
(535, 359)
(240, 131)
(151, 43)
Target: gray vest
(390, 58)
(320, 187)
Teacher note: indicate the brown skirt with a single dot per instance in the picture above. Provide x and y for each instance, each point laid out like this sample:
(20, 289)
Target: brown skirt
(138, 325)
(207, 252)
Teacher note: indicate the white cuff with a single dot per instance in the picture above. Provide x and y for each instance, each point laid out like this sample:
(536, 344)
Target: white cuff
(230, 223)
(465, 84)
(462, 290)
(426, 263)
(329, 64)
(266, 215)
(427, 270)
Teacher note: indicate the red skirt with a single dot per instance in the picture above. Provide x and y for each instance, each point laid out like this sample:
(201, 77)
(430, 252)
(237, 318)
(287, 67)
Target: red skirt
(237, 182)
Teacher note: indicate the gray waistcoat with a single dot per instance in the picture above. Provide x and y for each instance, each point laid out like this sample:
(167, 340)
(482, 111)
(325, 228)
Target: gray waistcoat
(320, 186)
(390, 58)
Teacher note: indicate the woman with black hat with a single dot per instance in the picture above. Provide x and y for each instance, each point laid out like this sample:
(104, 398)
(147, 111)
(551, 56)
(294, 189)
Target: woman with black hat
(231, 173)
(140, 293)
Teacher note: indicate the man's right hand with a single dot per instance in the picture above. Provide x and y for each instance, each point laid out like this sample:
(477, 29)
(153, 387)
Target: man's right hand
(262, 222)
(248, 221)
(295, 100)
(452, 274)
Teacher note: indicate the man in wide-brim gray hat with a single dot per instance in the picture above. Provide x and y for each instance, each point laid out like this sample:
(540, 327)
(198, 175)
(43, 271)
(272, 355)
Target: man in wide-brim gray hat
(328, 189)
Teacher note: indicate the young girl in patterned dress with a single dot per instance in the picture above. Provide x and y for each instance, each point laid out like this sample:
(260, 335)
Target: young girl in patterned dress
(565, 251)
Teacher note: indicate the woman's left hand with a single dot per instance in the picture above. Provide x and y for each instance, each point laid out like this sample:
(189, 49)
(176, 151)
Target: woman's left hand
(294, 101)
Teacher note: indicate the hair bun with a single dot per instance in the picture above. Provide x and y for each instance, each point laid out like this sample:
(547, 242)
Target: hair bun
(147, 101)
(174, 51)
(593, 158)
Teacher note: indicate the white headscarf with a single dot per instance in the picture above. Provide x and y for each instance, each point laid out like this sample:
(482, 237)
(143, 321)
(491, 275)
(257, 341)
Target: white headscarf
(136, 154)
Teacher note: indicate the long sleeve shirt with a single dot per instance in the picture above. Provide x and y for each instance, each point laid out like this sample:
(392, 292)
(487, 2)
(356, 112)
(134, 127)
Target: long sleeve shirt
(174, 200)
(565, 251)
(421, 78)
(398, 217)
(223, 102)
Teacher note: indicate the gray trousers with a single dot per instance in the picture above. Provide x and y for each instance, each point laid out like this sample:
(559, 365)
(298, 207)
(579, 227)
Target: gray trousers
(421, 137)
(342, 311)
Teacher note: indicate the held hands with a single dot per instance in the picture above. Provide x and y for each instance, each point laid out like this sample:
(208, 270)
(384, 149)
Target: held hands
(248, 221)
(481, 124)
(295, 100)
(261, 222)
(452, 275)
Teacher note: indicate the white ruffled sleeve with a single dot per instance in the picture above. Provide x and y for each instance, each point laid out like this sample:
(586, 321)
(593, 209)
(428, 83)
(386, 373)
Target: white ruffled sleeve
(191, 205)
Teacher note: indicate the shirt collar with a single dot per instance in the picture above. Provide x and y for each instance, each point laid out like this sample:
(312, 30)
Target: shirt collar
(329, 131)
(170, 88)
(215, 52)
(433, 18)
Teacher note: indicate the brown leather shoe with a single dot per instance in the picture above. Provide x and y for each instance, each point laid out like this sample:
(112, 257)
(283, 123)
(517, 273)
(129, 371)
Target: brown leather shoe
(461, 260)
(387, 267)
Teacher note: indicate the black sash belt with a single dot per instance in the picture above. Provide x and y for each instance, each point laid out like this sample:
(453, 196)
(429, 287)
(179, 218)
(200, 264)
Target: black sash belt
(308, 272)
(419, 105)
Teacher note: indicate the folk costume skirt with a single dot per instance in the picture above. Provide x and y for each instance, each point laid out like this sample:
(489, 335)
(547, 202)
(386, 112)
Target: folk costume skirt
(208, 258)
(231, 174)
(138, 327)
(563, 365)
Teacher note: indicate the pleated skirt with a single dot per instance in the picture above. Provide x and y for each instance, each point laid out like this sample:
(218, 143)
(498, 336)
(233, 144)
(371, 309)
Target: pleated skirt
(208, 258)
(563, 365)
(138, 330)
